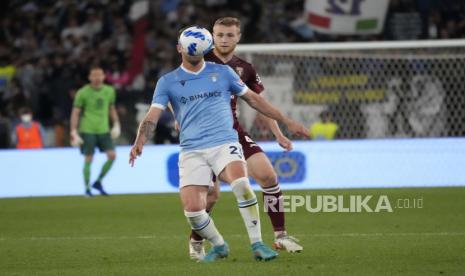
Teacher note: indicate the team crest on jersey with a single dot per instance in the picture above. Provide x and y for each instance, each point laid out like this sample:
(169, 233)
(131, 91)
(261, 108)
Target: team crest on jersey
(214, 77)
(239, 71)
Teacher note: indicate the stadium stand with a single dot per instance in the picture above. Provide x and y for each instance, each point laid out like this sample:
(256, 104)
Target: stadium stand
(46, 47)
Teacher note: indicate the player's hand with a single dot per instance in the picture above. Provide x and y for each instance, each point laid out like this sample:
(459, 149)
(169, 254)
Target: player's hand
(76, 140)
(284, 142)
(297, 129)
(115, 131)
(136, 150)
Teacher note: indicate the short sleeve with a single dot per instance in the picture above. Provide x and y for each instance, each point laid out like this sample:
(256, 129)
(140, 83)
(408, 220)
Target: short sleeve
(253, 81)
(237, 86)
(79, 99)
(160, 95)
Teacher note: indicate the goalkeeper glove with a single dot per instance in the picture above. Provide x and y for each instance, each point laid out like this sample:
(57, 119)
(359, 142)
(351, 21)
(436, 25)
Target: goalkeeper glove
(76, 140)
(115, 130)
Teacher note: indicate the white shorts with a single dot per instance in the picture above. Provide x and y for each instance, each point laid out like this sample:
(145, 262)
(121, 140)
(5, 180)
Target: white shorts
(197, 167)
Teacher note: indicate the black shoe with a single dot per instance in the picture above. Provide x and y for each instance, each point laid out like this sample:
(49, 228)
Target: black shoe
(98, 186)
(88, 193)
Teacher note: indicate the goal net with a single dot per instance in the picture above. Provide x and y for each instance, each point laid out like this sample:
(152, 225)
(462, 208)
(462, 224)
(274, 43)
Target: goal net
(369, 89)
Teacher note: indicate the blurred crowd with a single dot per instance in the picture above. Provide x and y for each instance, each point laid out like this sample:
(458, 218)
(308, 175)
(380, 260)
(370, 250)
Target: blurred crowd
(47, 47)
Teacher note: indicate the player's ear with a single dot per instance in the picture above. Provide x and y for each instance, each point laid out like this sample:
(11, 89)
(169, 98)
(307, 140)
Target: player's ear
(179, 48)
(239, 36)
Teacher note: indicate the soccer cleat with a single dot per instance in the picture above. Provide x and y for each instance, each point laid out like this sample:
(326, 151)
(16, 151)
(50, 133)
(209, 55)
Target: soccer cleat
(217, 252)
(288, 243)
(98, 186)
(88, 193)
(263, 252)
(196, 249)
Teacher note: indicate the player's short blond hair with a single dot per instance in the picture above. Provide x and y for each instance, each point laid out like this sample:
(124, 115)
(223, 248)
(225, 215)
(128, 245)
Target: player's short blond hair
(228, 21)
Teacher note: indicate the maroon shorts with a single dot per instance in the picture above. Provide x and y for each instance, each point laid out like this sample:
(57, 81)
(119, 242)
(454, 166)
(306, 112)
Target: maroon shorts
(249, 147)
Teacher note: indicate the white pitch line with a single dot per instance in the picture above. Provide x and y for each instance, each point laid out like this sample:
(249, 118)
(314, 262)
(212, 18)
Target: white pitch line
(235, 236)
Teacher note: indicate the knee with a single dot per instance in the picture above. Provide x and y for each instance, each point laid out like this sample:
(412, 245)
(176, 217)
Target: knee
(267, 180)
(193, 205)
(111, 155)
(88, 158)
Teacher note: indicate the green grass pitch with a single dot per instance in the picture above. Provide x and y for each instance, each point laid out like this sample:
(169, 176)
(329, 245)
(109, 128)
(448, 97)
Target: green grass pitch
(147, 235)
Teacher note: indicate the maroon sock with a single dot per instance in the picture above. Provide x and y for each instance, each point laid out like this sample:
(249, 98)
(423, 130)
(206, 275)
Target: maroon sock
(194, 235)
(273, 199)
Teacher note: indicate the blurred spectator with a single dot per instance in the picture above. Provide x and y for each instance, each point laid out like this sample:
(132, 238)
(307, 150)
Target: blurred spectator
(403, 21)
(325, 129)
(7, 71)
(15, 97)
(117, 76)
(5, 132)
(73, 29)
(47, 47)
(165, 132)
(94, 24)
(28, 134)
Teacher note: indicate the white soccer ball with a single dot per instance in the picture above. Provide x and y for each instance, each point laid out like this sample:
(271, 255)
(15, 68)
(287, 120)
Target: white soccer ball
(196, 41)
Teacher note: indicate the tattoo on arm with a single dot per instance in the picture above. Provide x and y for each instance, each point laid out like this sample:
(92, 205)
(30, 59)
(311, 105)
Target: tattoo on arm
(147, 129)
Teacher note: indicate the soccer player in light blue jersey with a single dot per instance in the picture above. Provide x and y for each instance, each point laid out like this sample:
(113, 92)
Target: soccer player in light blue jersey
(199, 93)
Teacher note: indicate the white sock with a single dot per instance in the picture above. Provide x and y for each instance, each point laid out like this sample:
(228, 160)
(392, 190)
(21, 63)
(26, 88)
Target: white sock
(203, 224)
(279, 233)
(248, 206)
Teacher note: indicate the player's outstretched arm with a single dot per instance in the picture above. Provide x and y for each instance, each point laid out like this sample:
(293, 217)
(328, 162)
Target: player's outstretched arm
(145, 132)
(261, 105)
(282, 140)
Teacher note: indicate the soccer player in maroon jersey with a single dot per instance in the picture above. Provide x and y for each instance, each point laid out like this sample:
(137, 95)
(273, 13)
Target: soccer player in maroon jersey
(226, 35)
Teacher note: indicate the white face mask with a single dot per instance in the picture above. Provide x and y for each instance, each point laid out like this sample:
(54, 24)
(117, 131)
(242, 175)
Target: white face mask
(26, 118)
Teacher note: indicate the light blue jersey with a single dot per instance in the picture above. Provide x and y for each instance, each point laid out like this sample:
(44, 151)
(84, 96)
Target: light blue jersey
(201, 103)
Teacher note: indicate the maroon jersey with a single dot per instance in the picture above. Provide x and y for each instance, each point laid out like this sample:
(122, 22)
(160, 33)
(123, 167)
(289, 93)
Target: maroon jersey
(247, 74)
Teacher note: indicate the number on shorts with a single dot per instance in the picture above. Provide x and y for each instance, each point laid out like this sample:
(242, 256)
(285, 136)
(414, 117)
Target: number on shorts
(248, 140)
(236, 150)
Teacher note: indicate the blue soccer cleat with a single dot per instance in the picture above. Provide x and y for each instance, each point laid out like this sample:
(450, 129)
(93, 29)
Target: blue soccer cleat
(98, 186)
(217, 252)
(263, 252)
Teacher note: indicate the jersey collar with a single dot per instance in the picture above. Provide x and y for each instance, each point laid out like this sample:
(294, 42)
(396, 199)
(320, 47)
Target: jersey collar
(192, 72)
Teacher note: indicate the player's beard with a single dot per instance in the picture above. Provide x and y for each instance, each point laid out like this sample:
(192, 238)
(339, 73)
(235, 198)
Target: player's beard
(194, 61)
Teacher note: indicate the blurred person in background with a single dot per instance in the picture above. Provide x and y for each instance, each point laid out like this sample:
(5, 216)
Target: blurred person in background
(165, 133)
(28, 134)
(5, 132)
(90, 125)
(325, 128)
